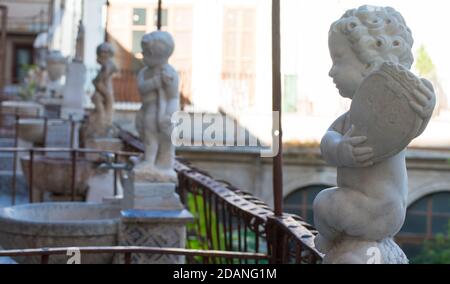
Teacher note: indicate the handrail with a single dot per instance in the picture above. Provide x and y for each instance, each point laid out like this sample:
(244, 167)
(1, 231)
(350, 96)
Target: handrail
(244, 209)
(45, 253)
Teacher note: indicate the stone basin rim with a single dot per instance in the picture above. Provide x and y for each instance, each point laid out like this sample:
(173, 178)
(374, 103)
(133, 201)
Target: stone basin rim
(77, 227)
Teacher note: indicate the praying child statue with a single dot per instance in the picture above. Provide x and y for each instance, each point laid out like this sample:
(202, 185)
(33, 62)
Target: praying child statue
(158, 87)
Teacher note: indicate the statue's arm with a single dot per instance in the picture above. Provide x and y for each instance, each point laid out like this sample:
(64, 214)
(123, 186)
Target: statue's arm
(148, 85)
(345, 150)
(330, 141)
(171, 81)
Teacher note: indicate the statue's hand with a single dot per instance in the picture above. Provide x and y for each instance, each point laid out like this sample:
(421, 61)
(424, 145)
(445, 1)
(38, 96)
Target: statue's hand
(425, 100)
(167, 77)
(349, 154)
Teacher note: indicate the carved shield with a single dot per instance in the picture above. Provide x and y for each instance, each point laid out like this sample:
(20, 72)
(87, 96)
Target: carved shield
(380, 110)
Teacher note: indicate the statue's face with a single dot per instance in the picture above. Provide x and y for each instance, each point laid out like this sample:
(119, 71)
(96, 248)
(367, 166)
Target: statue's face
(153, 54)
(103, 57)
(347, 70)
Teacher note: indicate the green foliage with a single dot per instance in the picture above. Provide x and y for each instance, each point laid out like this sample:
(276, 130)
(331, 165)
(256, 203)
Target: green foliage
(30, 86)
(197, 231)
(424, 64)
(436, 251)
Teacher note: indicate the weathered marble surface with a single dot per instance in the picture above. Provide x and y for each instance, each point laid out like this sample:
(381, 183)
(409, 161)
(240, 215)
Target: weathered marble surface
(358, 219)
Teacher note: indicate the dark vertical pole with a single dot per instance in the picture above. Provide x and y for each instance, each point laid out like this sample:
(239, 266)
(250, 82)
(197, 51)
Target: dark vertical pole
(276, 107)
(107, 20)
(30, 193)
(51, 5)
(4, 16)
(74, 173)
(159, 15)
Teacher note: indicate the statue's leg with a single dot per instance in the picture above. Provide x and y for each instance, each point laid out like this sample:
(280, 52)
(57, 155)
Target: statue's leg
(344, 212)
(151, 148)
(341, 211)
(166, 152)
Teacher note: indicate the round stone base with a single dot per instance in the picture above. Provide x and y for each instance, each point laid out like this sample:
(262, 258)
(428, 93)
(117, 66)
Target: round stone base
(351, 251)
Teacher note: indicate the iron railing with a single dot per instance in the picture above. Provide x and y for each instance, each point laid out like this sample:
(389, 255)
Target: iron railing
(230, 219)
(127, 251)
(231, 225)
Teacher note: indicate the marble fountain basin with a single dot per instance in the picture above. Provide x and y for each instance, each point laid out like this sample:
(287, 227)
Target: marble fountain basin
(54, 174)
(18, 107)
(31, 130)
(60, 224)
(22, 107)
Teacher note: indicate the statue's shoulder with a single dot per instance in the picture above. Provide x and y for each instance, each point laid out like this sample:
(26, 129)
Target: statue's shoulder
(111, 67)
(141, 73)
(169, 69)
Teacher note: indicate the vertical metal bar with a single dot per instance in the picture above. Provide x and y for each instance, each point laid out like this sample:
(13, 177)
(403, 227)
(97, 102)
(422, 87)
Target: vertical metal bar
(30, 193)
(224, 225)
(238, 217)
(230, 230)
(276, 107)
(45, 131)
(116, 160)
(72, 132)
(159, 15)
(256, 239)
(45, 258)
(74, 172)
(14, 177)
(245, 238)
(298, 253)
(197, 211)
(127, 257)
(208, 204)
(285, 249)
(218, 221)
(107, 20)
(206, 222)
(3, 28)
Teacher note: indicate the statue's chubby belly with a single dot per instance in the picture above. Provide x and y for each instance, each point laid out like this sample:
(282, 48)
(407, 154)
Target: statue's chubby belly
(385, 180)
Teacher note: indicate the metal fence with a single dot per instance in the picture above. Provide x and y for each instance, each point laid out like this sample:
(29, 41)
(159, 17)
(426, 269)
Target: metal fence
(230, 219)
(231, 226)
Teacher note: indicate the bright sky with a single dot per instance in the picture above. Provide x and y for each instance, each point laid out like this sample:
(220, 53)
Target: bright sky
(307, 52)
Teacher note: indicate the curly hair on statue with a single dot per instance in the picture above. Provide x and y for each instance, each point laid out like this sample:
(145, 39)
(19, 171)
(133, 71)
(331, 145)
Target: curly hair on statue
(377, 34)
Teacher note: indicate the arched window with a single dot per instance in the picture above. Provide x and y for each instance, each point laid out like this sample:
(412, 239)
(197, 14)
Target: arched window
(300, 201)
(425, 218)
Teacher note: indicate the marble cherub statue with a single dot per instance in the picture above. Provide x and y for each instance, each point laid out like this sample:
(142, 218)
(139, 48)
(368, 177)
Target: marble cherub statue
(100, 123)
(358, 218)
(158, 87)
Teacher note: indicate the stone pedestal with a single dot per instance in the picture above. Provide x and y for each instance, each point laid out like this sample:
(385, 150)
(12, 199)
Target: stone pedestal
(156, 196)
(156, 218)
(353, 251)
(154, 228)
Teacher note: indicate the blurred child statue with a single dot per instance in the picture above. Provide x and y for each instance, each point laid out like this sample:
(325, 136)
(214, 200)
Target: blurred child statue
(158, 87)
(100, 123)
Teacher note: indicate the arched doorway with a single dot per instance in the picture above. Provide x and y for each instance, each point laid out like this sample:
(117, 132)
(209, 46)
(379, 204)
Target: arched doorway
(425, 218)
(300, 201)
